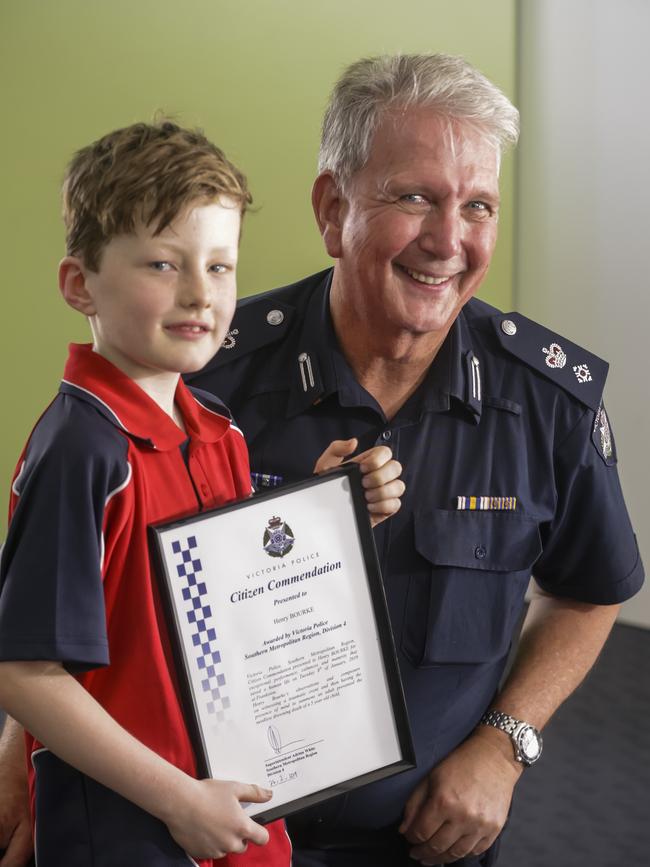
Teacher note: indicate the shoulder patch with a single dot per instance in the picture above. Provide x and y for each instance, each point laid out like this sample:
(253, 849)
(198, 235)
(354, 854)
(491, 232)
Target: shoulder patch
(603, 438)
(574, 369)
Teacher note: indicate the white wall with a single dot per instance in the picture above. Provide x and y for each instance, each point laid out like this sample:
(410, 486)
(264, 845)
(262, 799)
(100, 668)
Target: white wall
(583, 223)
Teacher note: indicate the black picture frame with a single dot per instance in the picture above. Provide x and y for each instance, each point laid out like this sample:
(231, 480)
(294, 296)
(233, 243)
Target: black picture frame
(380, 627)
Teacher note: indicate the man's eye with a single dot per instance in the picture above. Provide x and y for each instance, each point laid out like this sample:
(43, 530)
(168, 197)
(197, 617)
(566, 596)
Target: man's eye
(414, 199)
(160, 266)
(479, 207)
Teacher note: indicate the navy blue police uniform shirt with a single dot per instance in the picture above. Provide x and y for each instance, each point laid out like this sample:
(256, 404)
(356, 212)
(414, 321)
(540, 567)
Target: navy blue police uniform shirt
(510, 469)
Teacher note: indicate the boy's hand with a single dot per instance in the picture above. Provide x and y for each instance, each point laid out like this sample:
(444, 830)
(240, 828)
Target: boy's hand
(380, 476)
(205, 817)
(210, 822)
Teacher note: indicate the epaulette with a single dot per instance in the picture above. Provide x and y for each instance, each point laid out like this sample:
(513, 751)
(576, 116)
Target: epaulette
(258, 321)
(577, 371)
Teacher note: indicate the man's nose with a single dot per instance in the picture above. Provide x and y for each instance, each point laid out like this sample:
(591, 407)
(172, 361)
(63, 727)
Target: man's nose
(441, 234)
(194, 290)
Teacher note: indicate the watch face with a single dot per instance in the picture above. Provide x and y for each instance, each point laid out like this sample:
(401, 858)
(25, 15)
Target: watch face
(530, 744)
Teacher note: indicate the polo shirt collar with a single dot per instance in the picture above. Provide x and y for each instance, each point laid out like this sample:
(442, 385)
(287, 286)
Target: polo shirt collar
(90, 377)
(320, 368)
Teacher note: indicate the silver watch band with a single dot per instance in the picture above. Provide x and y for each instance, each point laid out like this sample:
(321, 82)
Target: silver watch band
(500, 720)
(526, 740)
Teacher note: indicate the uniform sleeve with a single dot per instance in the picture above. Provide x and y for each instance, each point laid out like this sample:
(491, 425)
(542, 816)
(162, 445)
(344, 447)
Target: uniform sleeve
(590, 551)
(51, 596)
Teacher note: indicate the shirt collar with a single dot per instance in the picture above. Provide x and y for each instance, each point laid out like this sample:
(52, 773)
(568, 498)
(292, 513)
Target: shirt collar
(320, 368)
(90, 377)
(466, 378)
(313, 375)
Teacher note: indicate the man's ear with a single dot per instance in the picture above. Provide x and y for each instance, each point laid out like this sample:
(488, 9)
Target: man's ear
(328, 204)
(72, 285)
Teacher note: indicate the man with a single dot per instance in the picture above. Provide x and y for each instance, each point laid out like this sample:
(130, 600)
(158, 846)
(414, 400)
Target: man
(508, 456)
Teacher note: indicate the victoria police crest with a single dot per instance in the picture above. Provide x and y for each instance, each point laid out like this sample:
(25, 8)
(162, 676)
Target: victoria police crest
(278, 538)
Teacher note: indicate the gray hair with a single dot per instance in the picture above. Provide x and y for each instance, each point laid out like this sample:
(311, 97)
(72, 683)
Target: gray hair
(373, 85)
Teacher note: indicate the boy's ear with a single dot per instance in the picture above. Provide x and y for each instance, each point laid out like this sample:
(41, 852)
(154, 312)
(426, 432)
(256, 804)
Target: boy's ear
(72, 285)
(329, 207)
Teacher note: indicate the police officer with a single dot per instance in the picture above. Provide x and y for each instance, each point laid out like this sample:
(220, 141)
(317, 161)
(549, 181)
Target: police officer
(508, 455)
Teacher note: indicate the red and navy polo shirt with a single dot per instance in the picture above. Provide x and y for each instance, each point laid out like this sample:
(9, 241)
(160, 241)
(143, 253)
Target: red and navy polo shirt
(103, 462)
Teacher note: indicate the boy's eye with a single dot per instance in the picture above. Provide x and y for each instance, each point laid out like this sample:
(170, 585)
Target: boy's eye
(219, 268)
(160, 266)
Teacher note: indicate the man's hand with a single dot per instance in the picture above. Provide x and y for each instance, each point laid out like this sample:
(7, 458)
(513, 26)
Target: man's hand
(461, 806)
(381, 476)
(15, 825)
(15, 821)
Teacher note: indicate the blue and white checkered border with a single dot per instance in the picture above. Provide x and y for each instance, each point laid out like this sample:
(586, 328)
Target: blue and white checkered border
(204, 635)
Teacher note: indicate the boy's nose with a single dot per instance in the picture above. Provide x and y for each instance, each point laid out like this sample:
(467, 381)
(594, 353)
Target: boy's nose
(195, 291)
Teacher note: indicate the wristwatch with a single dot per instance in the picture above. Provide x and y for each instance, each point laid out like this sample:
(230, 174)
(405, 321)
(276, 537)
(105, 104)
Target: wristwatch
(526, 739)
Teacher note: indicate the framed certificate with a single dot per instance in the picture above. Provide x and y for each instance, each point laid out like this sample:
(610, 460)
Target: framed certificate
(284, 648)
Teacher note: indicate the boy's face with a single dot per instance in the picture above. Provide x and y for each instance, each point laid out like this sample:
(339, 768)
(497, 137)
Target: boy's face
(162, 304)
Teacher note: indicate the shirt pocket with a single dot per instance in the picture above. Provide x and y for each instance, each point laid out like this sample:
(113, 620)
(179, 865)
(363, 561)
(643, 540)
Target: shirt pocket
(466, 594)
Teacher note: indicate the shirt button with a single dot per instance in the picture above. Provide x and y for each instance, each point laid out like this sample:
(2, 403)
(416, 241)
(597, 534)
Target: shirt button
(480, 552)
(386, 435)
(205, 490)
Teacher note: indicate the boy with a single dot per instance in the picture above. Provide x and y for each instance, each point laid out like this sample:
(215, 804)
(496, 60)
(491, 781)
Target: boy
(153, 217)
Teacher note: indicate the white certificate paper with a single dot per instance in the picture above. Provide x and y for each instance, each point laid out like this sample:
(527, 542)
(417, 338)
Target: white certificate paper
(283, 643)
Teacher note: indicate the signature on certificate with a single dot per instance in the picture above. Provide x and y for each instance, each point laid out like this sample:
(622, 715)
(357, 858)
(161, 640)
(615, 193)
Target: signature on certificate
(275, 739)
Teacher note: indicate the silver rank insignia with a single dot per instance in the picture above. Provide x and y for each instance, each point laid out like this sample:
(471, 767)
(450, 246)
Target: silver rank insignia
(555, 356)
(582, 372)
(278, 538)
(602, 437)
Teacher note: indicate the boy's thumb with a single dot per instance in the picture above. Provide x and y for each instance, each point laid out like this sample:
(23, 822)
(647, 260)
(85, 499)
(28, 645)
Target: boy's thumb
(251, 793)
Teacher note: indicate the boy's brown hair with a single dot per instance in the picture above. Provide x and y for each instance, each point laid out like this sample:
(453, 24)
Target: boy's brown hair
(142, 173)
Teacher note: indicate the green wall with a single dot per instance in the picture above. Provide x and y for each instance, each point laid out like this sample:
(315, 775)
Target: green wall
(254, 74)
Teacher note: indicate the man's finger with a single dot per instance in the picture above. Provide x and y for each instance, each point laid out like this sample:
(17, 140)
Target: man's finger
(389, 472)
(445, 846)
(373, 458)
(428, 828)
(335, 453)
(389, 491)
(413, 805)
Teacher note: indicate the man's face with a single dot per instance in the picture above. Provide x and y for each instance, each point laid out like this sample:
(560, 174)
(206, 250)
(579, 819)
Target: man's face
(418, 224)
(162, 303)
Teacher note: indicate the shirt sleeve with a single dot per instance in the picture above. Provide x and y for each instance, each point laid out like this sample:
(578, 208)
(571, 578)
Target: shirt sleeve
(589, 549)
(51, 593)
